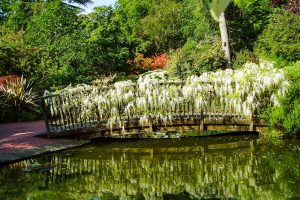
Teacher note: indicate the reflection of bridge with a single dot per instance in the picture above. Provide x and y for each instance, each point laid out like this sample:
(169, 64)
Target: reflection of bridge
(71, 112)
(216, 170)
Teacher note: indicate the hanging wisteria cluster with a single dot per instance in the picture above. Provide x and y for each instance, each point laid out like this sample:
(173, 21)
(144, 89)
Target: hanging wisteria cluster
(155, 97)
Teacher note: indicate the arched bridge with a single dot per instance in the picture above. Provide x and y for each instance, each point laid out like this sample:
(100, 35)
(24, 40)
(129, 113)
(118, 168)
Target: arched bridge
(156, 106)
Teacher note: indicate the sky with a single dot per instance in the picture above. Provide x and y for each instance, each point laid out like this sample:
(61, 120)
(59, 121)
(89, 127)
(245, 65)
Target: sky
(89, 7)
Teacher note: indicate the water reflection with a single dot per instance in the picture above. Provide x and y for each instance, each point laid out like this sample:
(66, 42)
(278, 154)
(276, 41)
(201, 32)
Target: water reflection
(205, 168)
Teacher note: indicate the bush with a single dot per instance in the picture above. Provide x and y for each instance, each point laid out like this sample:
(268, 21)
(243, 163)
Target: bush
(243, 57)
(140, 64)
(17, 100)
(195, 58)
(286, 118)
(280, 41)
(159, 61)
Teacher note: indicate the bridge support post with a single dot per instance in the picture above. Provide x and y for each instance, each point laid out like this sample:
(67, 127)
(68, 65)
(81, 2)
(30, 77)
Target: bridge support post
(252, 123)
(201, 123)
(46, 115)
(151, 126)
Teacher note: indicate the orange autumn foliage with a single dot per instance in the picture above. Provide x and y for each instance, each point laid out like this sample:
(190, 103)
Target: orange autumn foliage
(159, 61)
(141, 64)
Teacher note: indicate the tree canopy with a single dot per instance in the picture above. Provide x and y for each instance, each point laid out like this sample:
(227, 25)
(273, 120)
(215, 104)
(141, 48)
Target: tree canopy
(54, 44)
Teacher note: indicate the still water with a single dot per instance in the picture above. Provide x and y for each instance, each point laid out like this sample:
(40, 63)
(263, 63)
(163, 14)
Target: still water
(230, 167)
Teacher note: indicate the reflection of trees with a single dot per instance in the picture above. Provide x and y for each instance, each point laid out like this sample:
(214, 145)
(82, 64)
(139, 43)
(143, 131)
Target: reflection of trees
(202, 172)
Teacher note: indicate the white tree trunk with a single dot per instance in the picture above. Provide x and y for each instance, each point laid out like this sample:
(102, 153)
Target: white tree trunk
(224, 37)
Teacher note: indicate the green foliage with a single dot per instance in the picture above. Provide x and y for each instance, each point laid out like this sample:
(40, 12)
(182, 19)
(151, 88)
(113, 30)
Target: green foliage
(246, 20)
(195, 58)
(107, 47)
(59, 47)
(55, 31)
(16, 57)
(285, 119)
(3, 10)
(243, 57)
(197, 21)
(18, 14)
(162, 24)
(82, 2)
(280, 41)
(57, 35)
(170, 23)
(130, 13)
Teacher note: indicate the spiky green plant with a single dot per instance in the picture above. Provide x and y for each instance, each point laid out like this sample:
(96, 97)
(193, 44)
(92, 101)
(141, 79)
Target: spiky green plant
(18, 94)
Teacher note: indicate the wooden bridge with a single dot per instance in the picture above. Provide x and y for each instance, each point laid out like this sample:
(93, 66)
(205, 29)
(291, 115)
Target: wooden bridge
(65, 113)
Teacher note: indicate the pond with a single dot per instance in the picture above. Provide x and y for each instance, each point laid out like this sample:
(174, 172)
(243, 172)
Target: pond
(223, 167)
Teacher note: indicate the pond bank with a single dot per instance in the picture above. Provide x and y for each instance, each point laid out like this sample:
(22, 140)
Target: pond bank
(19, 141)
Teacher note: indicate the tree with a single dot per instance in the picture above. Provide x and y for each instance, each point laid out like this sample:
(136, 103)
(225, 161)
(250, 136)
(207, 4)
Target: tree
(280, 41)
(197, 22)
(246, 19)
(107, 45)
(217, 10)
(3, 10)
(224, 37)
(56, 33)
(162, 26)
(16, 13)
(129, 14)
(16, 56)
(82, 2)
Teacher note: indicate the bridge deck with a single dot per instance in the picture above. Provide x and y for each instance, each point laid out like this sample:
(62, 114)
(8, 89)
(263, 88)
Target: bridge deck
(180, 122)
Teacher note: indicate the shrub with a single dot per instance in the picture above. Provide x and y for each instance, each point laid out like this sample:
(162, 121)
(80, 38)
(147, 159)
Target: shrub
(17, 100)
(243, 57)
(140, 64)
(286, 118)
(280, 41)
(195, 58)
(159, 61)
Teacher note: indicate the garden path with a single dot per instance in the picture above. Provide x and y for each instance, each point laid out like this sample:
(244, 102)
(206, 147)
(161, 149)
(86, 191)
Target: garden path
(22, 140)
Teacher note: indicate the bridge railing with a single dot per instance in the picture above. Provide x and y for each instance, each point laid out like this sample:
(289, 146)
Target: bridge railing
(73, 111)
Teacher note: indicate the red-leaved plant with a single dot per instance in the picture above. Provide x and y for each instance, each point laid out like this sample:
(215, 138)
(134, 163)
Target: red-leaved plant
(141, 64)
(159, 61)
(5, 79)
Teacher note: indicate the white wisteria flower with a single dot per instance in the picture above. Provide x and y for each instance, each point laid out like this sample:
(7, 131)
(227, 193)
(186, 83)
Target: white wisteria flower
(155, 96)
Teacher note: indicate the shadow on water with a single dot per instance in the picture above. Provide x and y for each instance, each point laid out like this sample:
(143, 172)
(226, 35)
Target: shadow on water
(223, 167)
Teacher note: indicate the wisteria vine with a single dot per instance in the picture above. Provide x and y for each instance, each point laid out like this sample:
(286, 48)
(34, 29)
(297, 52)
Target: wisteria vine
(156, 97)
